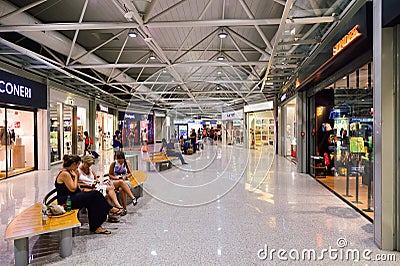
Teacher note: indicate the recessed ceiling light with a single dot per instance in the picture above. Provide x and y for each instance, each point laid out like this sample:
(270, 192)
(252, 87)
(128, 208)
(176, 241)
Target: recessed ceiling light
(132, 34)
(222, 35)
(220, 58)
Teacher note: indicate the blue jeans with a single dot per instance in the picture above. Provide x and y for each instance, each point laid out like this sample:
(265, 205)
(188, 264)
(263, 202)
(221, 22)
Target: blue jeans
(176, 154)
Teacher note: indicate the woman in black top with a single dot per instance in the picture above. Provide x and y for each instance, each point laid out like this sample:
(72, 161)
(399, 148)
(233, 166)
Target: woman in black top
(66, 184)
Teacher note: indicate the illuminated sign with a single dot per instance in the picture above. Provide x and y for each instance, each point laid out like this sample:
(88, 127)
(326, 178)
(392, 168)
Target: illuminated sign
(347, 39)
(103, 108)
(298, 82)
(129, 116)
(21, 91)
(15, 89)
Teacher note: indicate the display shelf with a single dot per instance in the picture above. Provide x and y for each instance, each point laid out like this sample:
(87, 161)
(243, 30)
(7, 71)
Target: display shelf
(317, 167)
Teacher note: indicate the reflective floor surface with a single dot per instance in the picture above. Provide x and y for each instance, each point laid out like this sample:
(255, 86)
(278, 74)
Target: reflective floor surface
(227, 206)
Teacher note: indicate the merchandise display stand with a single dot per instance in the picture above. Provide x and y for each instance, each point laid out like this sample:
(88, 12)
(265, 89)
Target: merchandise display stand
(357, 160)
(317, 166)
(347, 180)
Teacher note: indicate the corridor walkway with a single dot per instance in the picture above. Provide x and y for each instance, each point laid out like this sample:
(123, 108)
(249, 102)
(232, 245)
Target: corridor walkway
(226, 207)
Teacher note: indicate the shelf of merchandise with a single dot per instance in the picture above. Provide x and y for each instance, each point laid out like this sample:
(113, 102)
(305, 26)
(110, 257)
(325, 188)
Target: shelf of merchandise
(317, 167)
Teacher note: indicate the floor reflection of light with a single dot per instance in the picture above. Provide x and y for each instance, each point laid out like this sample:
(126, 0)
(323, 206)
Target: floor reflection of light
(264, 196)
(272, 222)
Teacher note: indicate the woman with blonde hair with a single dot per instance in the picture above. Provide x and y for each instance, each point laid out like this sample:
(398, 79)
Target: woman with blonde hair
(88, 181)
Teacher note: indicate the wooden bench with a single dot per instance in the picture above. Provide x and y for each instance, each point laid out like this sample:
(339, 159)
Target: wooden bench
(29, 223)
(160, 160)
(137, 180)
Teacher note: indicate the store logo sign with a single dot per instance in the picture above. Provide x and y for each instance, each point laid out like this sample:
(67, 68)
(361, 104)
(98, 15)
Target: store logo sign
(15, 89)
(129, 116)
(347, 40)
(103, 108)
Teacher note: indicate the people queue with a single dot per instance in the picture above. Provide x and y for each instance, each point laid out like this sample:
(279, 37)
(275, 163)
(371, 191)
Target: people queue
(79, 181)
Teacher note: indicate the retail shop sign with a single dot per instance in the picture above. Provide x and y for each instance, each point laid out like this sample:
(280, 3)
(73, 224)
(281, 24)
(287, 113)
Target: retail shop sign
(17, 90)
(102, 108)
(349, 38)
(232, 115)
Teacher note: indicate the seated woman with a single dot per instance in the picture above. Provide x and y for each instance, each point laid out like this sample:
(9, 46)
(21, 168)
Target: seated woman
(88, 181)
(120, 171)
(66, 184)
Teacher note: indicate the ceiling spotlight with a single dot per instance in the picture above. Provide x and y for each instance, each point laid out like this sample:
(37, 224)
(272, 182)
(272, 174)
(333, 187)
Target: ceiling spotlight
(152, 57)
(219, 72)
(132, 34)
(220, 58)
(222, 34)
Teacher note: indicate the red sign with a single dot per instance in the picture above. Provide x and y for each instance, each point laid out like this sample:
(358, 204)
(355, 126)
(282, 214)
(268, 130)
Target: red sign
(17, 124)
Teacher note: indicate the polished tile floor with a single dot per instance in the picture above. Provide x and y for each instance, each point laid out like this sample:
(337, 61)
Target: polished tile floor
(228, 206)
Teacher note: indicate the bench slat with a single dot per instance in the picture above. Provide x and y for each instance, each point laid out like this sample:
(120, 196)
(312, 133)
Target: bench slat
(29, 223)
(159, 159)
(138, 177)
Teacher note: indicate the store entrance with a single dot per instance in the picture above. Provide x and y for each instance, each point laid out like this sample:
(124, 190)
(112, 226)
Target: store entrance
(17, 147)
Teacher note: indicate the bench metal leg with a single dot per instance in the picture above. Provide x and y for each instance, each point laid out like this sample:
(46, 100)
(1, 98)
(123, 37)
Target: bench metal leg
(21, 251)
(66, 243)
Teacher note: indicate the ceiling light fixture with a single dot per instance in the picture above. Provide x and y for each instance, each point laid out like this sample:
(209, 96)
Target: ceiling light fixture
(222, 34)
(220, 58)
(132, 34)
(152, 56)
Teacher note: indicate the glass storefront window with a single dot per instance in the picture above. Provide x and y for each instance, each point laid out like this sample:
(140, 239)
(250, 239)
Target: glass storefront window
(17, 149)
(349, 136)
(261, 130)
(55, 152)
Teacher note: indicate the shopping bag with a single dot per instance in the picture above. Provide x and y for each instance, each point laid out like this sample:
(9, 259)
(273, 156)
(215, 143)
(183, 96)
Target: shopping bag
(95, 154)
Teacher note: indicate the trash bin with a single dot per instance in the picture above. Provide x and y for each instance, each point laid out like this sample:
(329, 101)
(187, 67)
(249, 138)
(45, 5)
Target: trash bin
(133, 160)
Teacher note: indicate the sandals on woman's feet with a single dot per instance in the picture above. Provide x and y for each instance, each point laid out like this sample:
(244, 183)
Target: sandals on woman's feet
(119, 212)
(134, 201)
(124, 212)
(103, 231)
(113, 219)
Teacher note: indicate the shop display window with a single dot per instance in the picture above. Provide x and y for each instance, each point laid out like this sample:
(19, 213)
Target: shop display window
(261, 129)
(55, 152)
(17, 149)
(344, 139)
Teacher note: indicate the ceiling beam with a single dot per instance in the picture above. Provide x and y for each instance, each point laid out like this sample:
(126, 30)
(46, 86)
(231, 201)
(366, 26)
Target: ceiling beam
(157, 65)
(162, 24)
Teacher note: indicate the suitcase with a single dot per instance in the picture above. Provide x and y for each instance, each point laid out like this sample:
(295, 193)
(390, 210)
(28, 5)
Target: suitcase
(95, 154)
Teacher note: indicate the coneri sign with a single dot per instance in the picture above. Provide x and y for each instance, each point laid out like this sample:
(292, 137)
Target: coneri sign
(347, 39)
